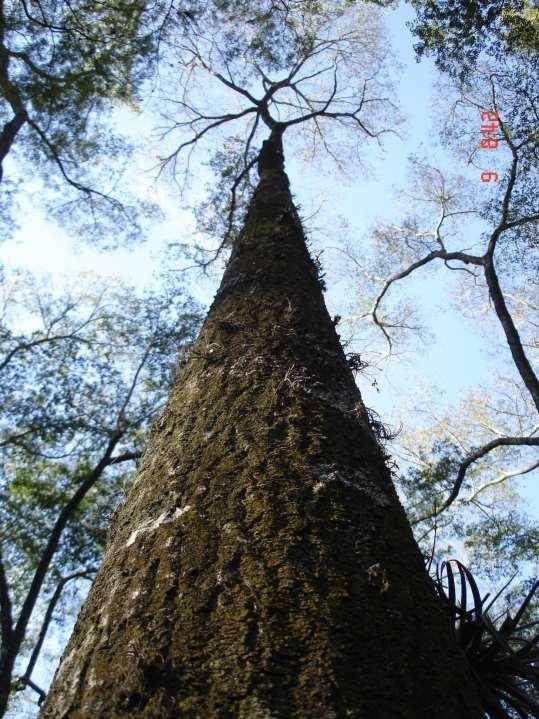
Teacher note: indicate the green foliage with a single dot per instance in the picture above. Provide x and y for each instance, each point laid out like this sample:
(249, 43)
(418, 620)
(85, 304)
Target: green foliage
(499, 541)
(502, 651)
(495, 532)
(427, 486)
(262, 31)
(64, 68)
(522, 25)
(456, 32)
(65, 61)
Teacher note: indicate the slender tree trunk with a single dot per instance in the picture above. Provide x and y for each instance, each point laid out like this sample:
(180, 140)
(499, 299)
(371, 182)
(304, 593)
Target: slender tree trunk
(520, 359)
(262, 566)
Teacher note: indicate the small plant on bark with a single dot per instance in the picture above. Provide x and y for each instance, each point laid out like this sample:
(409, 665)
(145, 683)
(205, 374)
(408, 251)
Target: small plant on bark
(503, 654)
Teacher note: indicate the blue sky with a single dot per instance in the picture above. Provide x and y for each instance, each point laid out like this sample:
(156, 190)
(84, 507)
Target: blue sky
(453, 359)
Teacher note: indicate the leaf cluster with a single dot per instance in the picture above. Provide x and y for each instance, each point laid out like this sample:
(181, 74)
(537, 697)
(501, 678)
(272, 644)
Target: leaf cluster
(456, 32)
(495, 532)
(502, 651)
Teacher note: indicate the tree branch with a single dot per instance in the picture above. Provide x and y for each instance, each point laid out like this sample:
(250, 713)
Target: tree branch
(125, 457)
(506, 475)
(24, 346)
(38, 690)
(13, 97)
(520, 359)
(7, 137)
(26, 678)
(468, 461)
(54, 539)
(435, 254)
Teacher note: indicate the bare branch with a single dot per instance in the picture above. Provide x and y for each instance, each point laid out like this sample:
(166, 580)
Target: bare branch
(41, 692)
(435, 254)
(223, 119)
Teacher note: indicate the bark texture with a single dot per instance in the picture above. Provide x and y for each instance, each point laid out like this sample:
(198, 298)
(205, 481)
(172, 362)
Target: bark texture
(262, 566)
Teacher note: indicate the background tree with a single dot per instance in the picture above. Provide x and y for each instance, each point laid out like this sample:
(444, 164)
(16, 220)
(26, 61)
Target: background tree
(485, 234)
(63, 67)
(83, 375)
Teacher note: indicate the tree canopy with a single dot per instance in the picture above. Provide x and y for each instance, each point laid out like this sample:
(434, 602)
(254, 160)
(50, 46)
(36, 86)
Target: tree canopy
(456, 33)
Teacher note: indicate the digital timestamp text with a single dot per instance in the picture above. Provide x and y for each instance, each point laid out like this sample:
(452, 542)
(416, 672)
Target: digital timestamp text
(489, 140)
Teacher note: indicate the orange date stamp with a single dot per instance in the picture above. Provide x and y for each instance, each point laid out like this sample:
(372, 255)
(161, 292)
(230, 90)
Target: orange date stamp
(489, 141)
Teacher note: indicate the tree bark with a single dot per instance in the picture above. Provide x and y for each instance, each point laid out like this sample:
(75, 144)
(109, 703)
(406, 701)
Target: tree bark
(262, 566)
(6, 673)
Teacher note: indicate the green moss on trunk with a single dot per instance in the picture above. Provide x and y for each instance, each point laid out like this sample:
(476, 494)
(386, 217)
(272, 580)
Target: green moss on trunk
(262, 566)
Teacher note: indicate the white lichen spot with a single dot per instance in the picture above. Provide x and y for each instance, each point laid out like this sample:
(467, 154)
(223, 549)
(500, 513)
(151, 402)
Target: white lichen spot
(91, 681)
(190, 386)
(180, 511)
(354, 480)
(150, 525)
(378, 578)
(103, 622)
(254, 708)
(342, 401)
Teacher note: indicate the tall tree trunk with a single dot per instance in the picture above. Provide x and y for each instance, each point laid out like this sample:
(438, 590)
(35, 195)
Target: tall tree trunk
(262, 566)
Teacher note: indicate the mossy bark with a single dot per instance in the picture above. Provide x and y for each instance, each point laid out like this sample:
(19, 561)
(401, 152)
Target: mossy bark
(262, 566)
